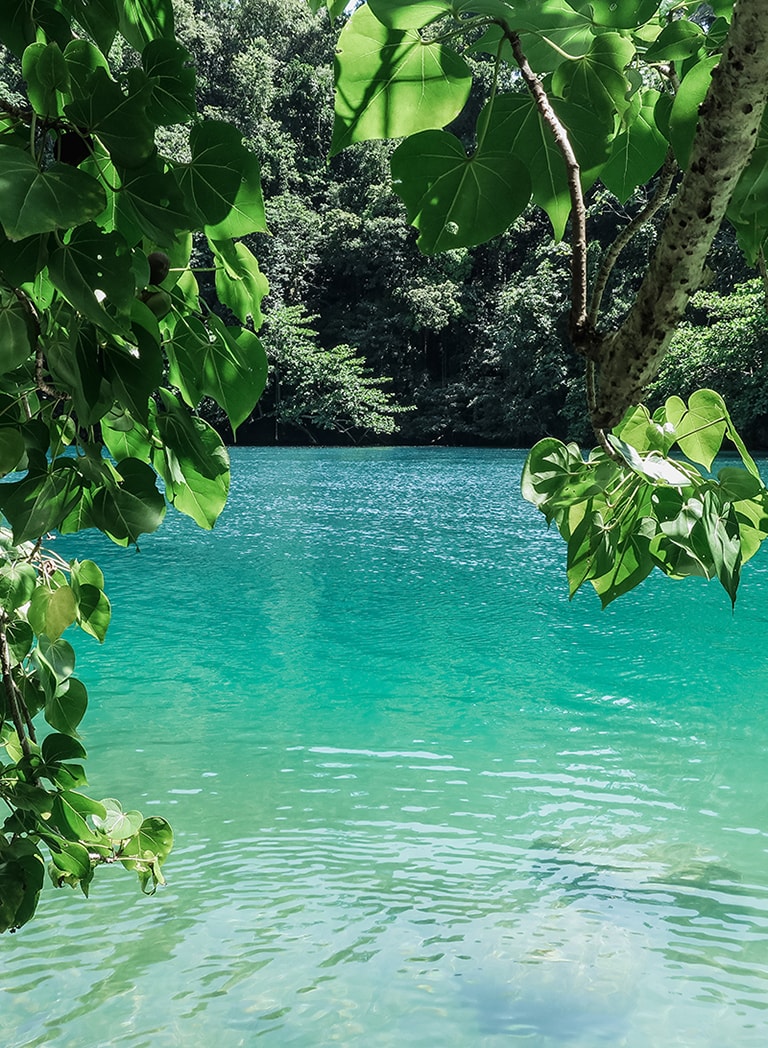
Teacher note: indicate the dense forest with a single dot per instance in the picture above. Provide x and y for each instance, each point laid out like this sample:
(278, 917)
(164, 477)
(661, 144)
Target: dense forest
(368, 340)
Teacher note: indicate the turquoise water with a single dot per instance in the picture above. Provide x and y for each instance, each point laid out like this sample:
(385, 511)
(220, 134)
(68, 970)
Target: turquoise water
(419, 798)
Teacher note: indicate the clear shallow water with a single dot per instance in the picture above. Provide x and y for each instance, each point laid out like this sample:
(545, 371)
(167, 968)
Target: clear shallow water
(419, 798)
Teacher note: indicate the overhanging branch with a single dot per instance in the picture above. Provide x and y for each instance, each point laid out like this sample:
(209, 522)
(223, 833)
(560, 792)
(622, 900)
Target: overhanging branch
(579, 323)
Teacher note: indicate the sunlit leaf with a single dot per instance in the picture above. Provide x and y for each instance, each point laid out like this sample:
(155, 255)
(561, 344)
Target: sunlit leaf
(455, 200)
(222, 182)
(391, 83)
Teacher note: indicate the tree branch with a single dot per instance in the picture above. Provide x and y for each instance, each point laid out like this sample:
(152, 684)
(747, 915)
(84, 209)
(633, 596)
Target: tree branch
(666, 177)
(729, 119)
(19, 713)
(579, 326)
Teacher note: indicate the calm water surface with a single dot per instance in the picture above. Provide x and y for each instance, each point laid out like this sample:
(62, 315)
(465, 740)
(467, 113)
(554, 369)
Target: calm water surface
(419, 798)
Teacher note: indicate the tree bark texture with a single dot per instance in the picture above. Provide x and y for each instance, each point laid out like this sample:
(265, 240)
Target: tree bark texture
(729, 118)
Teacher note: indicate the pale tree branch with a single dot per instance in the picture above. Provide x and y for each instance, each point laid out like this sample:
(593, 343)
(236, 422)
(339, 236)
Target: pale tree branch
(579, 323)
(729, 119)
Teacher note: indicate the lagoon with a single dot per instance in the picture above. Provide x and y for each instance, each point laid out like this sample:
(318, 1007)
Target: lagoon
(419, 797)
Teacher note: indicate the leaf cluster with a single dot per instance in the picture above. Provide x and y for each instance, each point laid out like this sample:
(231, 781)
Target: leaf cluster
(624, 80)
(106, 349)
(647, 505)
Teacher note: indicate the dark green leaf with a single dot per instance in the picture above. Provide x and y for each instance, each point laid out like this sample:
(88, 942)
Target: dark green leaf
(66, 707)
(120, 121)
(169, 67)
(133, 508)
(34, 201)
(93, 267)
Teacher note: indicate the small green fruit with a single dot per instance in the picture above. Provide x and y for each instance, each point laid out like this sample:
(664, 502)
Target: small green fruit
(159, 267)
(159, 302)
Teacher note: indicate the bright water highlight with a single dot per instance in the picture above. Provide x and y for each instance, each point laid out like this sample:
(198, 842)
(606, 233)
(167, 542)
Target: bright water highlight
(419, 798)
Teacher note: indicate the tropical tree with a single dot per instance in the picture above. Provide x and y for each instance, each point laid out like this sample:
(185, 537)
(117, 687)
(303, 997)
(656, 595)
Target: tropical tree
(105, 350)
(658, 92)
(310, 388)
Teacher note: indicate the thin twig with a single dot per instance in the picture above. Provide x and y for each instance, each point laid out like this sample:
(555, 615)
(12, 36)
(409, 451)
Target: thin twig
(22, 722)
(763, 274)
(579, 320)
(34, 316)
(666, 178)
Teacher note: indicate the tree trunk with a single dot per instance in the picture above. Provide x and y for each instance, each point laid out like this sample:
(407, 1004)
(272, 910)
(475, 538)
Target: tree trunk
(729, 119)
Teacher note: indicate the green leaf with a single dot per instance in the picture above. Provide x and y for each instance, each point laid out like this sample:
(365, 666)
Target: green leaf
(11, 450)
(61, 613)
(391, 83)
(47, 77)
(222, 182)
(240, 284)
(93, 267)
(738, 484)
(169, 67)
(117, 824)
(234, 370)
(57, 747)
(66, 707)
(148, 850)
(515, 125)
(125, 443)
(722, 531)
(684, 117)
(149, 203)
(597, 81)
(699, 427)
(134, 372)
(550, 33)
(68, 814)
(86, 573)
(20, 639)
(404, 14)
(94, 612)
(133, 508)
(455, 200)
(676, 42)
(637, 153)
(34, 201)
(99, 18)
(21, 261)
(144, 20)
(625, 14)
(17, 584)
(74, 860)
(120, 121)
(196, 463)
(38, 503)
(749, 202)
